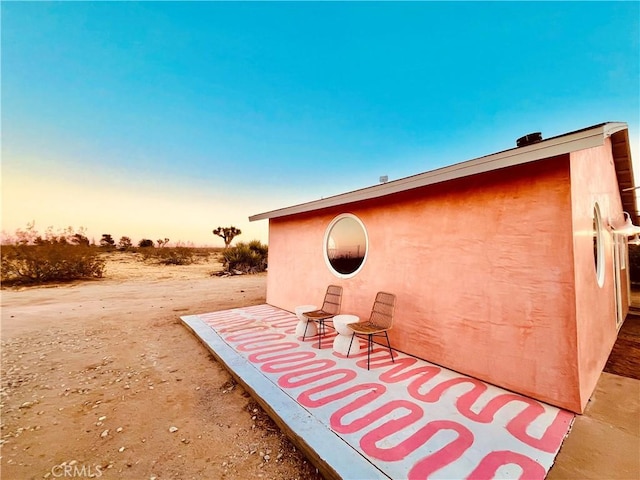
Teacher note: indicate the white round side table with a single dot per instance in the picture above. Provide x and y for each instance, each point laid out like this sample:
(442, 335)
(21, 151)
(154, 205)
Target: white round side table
(302, 323)
(343, 339)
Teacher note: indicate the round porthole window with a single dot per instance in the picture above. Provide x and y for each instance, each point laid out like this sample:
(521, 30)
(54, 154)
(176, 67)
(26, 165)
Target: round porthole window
(598, 246)
(345, 245)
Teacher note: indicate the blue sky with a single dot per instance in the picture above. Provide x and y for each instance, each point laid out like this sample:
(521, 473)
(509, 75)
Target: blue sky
(163, 119)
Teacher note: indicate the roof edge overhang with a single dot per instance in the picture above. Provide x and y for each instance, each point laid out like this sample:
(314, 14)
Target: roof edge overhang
(621, 149)
(570, 142)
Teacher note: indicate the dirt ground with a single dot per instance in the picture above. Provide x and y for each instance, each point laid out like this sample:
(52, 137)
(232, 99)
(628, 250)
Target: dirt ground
(100, 379)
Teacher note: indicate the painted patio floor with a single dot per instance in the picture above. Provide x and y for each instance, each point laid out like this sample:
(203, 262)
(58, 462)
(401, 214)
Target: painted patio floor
(408, 419)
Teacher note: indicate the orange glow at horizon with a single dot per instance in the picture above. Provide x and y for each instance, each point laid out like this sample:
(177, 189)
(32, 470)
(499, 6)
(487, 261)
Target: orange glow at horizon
(136, 213)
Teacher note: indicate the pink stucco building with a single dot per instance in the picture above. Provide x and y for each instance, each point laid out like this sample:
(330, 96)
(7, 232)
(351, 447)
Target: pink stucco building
(511, 268)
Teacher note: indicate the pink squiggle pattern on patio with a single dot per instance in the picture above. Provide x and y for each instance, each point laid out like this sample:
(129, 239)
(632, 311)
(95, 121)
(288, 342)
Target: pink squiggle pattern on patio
(327, 339)
(440, 458)
(312, 372)
(373, 391)
(256, 339)
(254, 335)
(250, 325)
(230, 326)
(282, 358)
(282, 321)
(414, 414)
(231, 322)
(273, 348)
(280, 366)
(299, 378)
(300, 369)
(553, 435)
(369, 441)
(400, 370)
(488, 466)
(550, 440)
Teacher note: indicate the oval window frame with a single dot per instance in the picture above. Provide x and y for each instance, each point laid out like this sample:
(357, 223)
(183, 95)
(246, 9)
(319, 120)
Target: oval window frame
(325, 244)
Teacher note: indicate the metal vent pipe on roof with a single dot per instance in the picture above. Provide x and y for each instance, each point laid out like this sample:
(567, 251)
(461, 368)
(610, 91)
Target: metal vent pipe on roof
(529, 139)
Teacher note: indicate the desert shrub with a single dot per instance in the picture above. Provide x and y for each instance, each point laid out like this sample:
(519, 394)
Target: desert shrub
(79, 239)
(204, 253)
(107, 241)
(246, 257)
(178, 255)
(145, 243)
(259, 248)
(33, 259)
(124, 243)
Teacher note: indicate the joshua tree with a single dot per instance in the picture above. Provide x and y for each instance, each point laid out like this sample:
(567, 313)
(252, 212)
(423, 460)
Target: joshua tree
(162, 243)
(227, 234)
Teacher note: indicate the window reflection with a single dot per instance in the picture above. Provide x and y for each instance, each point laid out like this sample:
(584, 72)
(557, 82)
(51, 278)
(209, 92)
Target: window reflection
(346, 245)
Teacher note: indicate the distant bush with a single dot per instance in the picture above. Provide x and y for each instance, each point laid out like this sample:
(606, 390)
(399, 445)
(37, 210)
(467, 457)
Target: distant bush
(124, 243)
(246, 257)
(34, 259)
(107, 241)
(145, 243)
(79, 239)
(178, 255)
(204, 253)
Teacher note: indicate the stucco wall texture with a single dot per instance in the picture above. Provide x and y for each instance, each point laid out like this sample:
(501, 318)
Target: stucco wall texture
(494, 273)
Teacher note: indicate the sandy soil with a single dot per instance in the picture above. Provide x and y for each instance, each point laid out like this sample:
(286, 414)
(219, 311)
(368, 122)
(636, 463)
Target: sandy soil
(100, 379)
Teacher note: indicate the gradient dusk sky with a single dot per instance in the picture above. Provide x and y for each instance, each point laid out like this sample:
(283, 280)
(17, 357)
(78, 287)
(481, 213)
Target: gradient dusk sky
(168, 119)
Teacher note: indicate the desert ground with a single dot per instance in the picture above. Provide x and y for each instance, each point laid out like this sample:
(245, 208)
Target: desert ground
(100, 378)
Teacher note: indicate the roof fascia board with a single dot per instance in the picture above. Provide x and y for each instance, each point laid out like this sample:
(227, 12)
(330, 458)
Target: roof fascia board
(571, 142)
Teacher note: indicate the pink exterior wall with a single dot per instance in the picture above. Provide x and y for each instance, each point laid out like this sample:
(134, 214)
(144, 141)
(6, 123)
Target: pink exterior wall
(593, 179)
(482, 268)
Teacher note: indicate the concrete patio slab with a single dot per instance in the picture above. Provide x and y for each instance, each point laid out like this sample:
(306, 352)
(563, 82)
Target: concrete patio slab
(402, 419)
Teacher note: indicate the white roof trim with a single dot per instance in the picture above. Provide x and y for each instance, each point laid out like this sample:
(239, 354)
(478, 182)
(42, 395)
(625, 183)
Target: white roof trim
(570, 142)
